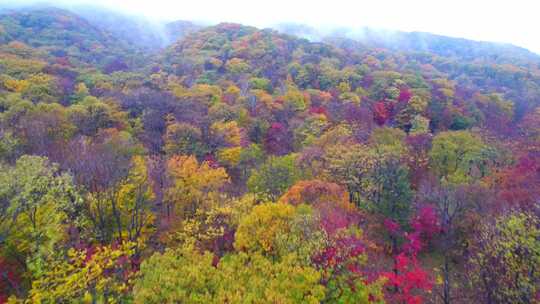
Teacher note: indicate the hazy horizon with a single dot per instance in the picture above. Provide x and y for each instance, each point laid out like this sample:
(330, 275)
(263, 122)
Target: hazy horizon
(494, 21)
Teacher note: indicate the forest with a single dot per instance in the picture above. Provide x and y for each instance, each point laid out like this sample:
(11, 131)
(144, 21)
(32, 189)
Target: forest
(232, 164)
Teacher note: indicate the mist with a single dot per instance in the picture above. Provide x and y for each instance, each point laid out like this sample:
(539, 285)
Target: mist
(496, 21)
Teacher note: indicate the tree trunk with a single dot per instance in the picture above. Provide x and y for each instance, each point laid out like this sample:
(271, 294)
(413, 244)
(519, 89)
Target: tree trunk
(446, 286)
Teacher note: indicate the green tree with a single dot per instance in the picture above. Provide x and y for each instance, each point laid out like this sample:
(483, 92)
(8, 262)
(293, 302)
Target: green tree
(183, 138)
(505, 262)
(454, 155)
(312, 128)
(256, 279)
(416, 106)
(38, 204)
(186, 276)
(274, 177)
(10, 146)
(91, 114)
(350, 166)
(388, 141)
(250, 157)
(419, 125)
(391, 194)
(81, 91)
(176, 276)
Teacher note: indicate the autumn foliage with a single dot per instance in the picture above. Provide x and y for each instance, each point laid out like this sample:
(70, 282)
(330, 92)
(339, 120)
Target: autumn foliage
(231, 164)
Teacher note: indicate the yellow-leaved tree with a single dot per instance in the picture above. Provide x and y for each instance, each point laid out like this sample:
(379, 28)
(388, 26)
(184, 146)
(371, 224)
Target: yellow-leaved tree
(134, 202)
(96, 275)
(186, 276)
(258, 231)
(191, 183)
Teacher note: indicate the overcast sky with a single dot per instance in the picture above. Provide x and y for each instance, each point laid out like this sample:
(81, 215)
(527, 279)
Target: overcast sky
(513, 21)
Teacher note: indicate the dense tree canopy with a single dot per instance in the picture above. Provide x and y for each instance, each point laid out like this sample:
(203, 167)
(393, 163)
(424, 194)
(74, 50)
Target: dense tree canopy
(240, 165)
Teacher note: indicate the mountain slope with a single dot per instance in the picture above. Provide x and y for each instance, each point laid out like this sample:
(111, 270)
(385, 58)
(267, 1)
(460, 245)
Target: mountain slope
(244, 163)
(62, 34)
(464, 49)
(228, 51)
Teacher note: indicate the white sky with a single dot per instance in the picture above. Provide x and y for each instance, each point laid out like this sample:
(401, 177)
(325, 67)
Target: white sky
(513, 21)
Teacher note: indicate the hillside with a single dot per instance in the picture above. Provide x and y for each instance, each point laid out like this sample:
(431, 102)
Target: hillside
(63, 34)
(218, 52)
(419, 42)
(173, 162)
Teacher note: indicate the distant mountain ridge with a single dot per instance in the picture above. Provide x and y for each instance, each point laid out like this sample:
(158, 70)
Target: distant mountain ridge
(113, 42)
(61, 33)
(89, 36)
(152, 35)
(440, 45)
